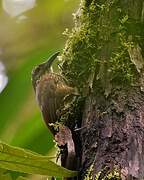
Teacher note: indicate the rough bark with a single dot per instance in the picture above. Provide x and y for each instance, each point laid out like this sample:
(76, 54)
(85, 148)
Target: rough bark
(104, 59)
(114, 135)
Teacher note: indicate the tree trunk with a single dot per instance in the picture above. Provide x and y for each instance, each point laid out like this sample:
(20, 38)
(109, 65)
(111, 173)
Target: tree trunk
(104, 59)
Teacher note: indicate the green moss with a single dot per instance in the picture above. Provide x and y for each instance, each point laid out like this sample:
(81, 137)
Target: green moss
(121, 68)
(88, 175)
(113, 175)
(99, 44)
(72, 113)
(98, 47)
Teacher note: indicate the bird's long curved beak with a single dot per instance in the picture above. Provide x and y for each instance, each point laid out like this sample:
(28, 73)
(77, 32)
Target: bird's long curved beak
(50, 60)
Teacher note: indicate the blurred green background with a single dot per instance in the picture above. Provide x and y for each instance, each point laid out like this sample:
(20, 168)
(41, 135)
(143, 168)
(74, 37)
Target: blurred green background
(28, 37)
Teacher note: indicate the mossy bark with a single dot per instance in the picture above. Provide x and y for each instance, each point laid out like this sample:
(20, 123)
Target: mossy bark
(104, 59)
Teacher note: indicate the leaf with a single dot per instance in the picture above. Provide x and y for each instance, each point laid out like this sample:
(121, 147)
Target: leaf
(21, 160)
(4, 175)
(2, 171)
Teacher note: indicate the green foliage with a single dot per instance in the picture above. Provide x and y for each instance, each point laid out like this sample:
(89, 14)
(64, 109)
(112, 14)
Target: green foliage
(17, 159)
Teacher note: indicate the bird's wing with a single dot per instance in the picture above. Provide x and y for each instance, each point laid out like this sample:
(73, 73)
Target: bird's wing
(49, 108)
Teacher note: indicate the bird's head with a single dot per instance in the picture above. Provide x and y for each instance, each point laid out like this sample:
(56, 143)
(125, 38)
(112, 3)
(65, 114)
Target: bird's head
(43, 68)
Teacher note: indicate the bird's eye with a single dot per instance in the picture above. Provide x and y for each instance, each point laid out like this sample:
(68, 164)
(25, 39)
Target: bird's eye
(35, 72)
(38, 69)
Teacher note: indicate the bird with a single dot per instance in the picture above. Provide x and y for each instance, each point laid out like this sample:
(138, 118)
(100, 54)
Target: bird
(50, 89)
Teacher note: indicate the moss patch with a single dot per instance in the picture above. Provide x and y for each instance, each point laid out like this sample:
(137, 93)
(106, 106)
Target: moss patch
(98, 44)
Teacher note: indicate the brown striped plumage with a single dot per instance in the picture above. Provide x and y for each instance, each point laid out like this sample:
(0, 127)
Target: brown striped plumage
(50, 89)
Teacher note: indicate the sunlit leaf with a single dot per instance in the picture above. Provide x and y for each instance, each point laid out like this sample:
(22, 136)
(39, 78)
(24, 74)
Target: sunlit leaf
(18, 159)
